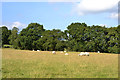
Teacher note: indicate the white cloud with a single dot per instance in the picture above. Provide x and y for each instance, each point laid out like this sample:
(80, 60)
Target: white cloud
(15, 24)
(18, 25)
(95, 6)
(2, 25)
(115, 15)
(103, 25)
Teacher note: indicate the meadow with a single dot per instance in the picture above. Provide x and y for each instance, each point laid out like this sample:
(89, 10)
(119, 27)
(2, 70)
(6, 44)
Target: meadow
(43, 64)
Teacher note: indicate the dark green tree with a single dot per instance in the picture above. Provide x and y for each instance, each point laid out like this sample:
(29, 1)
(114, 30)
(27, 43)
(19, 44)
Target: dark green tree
(13, 36)
(30, 34)
(76, 38)
(5, 35)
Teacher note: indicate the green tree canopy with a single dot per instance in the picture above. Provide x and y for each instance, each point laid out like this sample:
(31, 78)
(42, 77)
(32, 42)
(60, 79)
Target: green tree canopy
(77, 37)
(5, 34)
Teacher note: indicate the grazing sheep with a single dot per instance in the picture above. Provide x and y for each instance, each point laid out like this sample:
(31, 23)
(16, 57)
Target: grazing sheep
(98, 52)
(33, 50)
(64, 51)
(87, 53)
(53, 52)
(66, 54)
(38, 50)
(81, 54)
(84, 54)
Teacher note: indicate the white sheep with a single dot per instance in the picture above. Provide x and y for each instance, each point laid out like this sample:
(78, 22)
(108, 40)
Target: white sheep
(33, 50)
(84, 54)
(81, 54)
(66, 54)
(87, 53)
(98, 51)
(38, 50)
(64, 51)
(53, 52)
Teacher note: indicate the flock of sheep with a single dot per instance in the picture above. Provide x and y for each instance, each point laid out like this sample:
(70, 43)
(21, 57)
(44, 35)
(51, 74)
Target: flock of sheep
(81, 53)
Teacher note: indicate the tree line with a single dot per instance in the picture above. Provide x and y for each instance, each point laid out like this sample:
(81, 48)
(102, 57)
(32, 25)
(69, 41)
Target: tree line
(77, 37)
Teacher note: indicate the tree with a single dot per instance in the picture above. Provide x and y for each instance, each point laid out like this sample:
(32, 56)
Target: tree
(113, 40)
(118, 31)
(0, 37)
(76, 38)
(13, 36)
(5, 34)
(54, 40)
(30, 34)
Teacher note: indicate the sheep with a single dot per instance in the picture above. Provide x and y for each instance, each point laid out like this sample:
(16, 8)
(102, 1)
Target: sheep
(33, 50)
(66, 54)
(64, 51)
(81, 54)
(98, 52)
(87, 53)
(84, 54)
(38, 50)
(53, 52)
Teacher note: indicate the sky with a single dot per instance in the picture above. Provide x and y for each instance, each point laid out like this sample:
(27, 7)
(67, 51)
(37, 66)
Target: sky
(54, 14)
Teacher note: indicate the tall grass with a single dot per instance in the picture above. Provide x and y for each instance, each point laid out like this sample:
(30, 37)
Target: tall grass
(43, 64)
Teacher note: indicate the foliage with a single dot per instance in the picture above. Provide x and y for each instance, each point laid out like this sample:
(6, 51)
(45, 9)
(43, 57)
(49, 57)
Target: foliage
(30, 34)
(5, 35)
(77, 37)
(13, 37)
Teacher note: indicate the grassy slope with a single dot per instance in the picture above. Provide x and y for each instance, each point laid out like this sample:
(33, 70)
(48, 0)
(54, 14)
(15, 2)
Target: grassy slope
(29, 64)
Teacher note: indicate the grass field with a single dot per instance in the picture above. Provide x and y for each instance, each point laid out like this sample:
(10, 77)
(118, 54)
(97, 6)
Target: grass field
(43, 64)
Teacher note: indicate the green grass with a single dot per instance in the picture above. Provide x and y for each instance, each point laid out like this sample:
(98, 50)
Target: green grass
(43, 64)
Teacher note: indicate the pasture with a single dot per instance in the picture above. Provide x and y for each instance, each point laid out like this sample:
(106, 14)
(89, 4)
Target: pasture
(44, 64)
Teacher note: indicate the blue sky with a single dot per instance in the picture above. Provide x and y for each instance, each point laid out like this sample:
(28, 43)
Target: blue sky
(56, 15)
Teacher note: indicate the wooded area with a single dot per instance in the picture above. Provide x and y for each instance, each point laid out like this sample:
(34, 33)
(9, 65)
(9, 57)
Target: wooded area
(77, 37)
